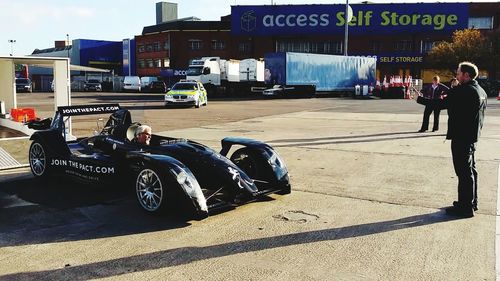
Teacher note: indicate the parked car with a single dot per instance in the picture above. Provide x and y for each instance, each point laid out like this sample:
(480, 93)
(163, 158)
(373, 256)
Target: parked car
(92, 85)
(187, 93)
(24, 85)
(146, 82)
(132, 83)
(276, 90)
(158, 86)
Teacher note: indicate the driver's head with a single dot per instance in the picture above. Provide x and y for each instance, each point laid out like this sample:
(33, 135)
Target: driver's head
(143, 134)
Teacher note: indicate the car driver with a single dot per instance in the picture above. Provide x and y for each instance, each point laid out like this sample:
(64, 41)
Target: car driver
(143, 135)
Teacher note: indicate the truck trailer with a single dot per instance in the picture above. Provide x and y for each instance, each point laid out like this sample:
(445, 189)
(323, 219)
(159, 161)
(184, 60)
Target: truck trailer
(304, 73)
(227, 77)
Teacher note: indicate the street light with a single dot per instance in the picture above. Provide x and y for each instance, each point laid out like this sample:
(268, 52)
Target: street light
(67, 44)
(346, 32)
(11, 41)
(348, 17)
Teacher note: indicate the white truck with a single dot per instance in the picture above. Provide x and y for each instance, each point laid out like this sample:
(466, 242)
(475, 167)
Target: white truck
(227, 77)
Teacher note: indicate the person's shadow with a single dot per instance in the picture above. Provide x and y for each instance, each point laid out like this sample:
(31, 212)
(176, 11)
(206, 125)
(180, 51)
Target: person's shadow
(186, 255)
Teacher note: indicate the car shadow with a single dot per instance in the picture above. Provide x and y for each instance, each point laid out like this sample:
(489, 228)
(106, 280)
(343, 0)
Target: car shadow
(60, 210)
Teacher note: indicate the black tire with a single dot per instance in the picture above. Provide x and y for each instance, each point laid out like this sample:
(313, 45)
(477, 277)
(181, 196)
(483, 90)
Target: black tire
(151, 189)
(39, 159)
(257, 167)
(197, 104)
(252, 164)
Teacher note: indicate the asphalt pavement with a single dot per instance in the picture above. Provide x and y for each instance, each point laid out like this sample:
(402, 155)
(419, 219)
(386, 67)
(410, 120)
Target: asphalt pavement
(366, 204)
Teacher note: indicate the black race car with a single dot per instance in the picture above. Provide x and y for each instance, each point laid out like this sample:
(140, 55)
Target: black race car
(170, 173)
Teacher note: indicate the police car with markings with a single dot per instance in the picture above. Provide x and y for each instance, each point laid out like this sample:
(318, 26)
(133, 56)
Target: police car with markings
(187, 93)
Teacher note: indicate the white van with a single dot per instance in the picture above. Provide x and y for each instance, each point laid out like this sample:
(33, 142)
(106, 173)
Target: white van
(132, 83)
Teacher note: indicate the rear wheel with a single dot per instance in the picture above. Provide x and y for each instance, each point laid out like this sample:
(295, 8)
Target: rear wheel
(249, 162)
(38, 160)
(258, 168)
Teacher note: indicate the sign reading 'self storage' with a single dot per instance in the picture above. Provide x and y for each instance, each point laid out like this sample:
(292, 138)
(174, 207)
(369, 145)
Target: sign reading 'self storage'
(330, 19)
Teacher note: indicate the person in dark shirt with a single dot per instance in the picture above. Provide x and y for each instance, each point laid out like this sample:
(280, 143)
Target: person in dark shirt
(434, 93)
(466, 104)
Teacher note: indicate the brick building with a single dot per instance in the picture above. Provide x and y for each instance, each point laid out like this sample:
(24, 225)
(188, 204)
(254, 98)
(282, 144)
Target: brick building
(399, 35)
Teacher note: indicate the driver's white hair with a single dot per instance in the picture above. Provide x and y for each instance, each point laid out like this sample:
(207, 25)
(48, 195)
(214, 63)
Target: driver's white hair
(142, 128)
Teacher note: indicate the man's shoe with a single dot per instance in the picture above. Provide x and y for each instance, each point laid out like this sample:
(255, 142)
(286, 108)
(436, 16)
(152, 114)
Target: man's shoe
(456, 204)
(421, 131)
(459, 212)
(435, 130)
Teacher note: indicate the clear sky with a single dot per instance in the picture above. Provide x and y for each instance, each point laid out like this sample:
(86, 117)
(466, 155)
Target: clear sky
(37, 24)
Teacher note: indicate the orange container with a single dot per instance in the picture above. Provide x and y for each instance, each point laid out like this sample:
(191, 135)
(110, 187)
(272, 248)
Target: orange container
(22, 114)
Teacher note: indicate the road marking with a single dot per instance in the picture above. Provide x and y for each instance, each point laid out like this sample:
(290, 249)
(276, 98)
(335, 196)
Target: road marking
(497, 236)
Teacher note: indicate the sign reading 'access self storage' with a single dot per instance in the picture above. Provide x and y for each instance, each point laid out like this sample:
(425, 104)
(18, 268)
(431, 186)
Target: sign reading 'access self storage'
(330, 19)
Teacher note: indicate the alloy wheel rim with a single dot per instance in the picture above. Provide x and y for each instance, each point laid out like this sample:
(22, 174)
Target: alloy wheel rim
(149, 190)
(37, 159)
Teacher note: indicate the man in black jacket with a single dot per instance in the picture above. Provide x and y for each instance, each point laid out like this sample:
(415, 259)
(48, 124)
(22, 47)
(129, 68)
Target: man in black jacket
(466, 104)
(434, 94)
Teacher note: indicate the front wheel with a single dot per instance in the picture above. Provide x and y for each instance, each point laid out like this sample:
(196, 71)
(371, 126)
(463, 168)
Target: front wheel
(150, 189)
(247, 160)
(38, 160)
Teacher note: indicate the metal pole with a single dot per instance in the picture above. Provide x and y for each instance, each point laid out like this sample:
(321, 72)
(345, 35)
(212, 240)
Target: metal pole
(11, 41)
(67, 44)
(346, 34)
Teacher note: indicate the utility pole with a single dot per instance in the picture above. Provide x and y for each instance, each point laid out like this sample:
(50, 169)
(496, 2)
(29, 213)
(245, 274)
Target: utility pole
(346, 34)
(67, 44)
(11, 41)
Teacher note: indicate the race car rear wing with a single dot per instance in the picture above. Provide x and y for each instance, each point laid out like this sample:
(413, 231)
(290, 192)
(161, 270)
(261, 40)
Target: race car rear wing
(75, 110)
(61, 120)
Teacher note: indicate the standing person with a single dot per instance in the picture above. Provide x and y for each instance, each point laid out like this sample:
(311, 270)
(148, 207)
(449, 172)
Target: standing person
(434, 93)
(466, 104)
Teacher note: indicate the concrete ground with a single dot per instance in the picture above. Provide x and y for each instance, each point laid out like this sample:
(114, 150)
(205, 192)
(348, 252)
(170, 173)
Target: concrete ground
(366, 205)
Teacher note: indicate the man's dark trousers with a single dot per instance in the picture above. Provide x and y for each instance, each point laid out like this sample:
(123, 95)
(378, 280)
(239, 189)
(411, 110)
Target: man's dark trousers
(465, 169)
(427, 113)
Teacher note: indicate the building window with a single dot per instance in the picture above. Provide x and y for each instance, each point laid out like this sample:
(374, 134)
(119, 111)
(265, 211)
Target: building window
(195, 44)
(140, 48)
(166, 46)
(481, 22)
(244, 47)
(328, 47)
(426, 46)
(149, 48)
(337, 47)
(149, 63)
(403, 45)
(141, 63)
(166, 62)
(158, 63)
(218, 45)
(376, 46)
(156, 46)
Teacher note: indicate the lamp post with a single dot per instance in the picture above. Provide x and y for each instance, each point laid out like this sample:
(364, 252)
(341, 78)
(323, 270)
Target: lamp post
(346, 33)
(67, 44)
(11, 41)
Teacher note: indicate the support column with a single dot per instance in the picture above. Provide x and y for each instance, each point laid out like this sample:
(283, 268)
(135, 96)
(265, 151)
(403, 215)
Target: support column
(8, 84)
(62, 89)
